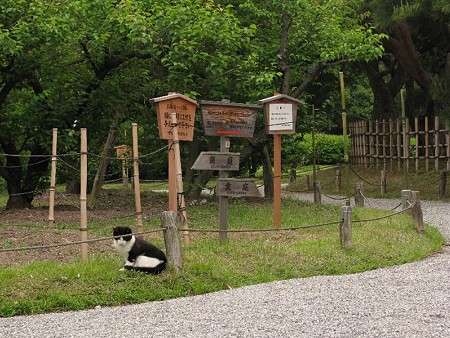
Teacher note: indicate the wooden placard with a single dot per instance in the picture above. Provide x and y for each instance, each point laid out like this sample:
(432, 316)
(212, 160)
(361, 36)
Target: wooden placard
(281, 114)
(237, 187)
(213, 160)
(122, 151)
(184, 108)
(228, 119)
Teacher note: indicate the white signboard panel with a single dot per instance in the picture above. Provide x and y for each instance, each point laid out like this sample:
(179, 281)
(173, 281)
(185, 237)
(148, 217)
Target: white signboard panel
(281, 117)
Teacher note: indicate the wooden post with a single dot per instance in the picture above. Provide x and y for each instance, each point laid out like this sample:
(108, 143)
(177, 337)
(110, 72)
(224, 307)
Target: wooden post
(416, 135)
(436, 143)
(383, 182)
(179, 178)
(447, 144)
(124, 172)
(169, 222)
(137, 191)
(406, 198)
(338, 180)
(223, 200)
(359, 194)
(277, 181)
(405, 143)
(292, 176)
(172, 178)
(345, 229)
(427, 146)
(83, 199)
(442, 183)
(317, 193)
(51, 208)
(417, 213)
(344, 132)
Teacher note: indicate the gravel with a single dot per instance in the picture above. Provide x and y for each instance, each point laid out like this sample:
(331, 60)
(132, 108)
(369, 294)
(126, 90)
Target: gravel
(409, 300)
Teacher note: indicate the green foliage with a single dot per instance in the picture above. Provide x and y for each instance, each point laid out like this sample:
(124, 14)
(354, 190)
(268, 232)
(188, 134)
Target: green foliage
(298, 149)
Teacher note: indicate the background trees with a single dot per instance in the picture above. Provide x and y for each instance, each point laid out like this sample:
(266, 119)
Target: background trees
(90, 63)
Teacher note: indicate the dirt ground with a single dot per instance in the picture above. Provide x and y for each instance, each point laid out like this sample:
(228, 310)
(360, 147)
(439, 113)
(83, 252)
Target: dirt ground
(29, 227)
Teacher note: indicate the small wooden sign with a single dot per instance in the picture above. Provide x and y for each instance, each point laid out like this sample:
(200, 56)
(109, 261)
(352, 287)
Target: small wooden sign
(281, 114)
(228, 118)
(236, 187)
(122, 151)
(184, 107)
(213, 160)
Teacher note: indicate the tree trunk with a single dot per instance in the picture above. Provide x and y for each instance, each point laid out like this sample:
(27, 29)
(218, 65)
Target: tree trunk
(22, 184)
(108, 152)
(267, 173)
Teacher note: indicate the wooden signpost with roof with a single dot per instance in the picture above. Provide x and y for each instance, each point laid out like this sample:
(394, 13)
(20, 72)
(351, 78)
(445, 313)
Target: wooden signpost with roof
(281, 116)
(176, 112)
(227, 119)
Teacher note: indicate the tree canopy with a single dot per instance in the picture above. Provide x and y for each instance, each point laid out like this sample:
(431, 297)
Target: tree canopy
(88, 63)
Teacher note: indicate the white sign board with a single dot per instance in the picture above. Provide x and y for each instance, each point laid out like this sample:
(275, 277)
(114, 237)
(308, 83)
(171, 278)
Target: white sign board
(281, 116)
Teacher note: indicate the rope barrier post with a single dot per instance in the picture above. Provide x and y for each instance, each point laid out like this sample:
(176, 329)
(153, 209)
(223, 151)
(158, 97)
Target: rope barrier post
(359, 194)
(51, 208)
(417, 213)
(169, 222)
(137, 191)
(345, 229)
(338, 179)
(179, 177)
(83, 199)
(383, 182)
(317, 193)
(442, 183)
(406, 197)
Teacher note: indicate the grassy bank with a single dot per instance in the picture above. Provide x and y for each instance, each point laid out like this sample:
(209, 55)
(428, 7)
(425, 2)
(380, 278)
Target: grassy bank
(247, 258)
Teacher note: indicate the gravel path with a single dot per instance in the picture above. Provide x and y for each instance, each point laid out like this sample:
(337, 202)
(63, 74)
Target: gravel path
(410, 300)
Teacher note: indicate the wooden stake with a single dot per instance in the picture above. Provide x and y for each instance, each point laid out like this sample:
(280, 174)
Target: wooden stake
(346, 227)
(137, 191)
(179, 177)
(417, 213)
(83, 199)
(172, 240)
(51, 208)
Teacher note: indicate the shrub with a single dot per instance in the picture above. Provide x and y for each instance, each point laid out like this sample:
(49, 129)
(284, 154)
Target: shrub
(298, 149)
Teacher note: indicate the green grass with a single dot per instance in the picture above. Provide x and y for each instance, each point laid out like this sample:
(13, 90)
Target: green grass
(426, 183)
(247, 258)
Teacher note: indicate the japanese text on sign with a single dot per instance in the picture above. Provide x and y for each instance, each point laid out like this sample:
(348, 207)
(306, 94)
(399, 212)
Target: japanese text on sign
(280, 116)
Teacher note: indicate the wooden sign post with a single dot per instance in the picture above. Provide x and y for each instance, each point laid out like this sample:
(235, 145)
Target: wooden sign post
(184, 109)
(226, 119)
(123, 152)
(281, 115)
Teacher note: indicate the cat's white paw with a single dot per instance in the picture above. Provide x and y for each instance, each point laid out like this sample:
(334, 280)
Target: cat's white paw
(123, 269)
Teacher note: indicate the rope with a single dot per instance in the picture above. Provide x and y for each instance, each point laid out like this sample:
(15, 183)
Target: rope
(72, 243)
(383, 217)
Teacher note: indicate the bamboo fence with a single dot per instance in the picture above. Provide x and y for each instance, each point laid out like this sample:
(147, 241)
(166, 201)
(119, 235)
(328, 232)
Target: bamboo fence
(379, 144)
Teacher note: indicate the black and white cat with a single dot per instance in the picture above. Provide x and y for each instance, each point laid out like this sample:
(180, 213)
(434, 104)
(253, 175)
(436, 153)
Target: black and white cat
(137, 253)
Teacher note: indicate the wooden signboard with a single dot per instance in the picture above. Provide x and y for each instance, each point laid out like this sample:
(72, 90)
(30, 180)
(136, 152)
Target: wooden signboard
(213, 160)
(184, 108)
(228, 118)
(122, 151)
(281, 114)
(234, 187)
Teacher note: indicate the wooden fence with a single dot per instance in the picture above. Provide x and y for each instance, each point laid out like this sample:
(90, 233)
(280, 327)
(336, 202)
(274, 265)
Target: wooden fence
(380, 144)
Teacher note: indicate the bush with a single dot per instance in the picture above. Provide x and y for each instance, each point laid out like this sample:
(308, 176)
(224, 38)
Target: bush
(298, 149)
